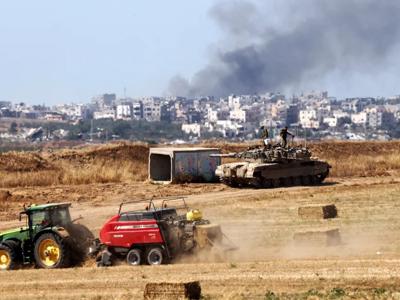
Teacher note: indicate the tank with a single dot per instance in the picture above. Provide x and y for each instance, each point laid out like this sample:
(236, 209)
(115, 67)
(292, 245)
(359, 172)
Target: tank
(272, 166)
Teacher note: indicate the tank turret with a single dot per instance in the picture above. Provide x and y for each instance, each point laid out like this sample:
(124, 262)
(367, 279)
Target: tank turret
(270, 154)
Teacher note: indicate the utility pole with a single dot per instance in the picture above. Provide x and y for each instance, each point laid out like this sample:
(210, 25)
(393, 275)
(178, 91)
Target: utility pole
(305, 137)
(91, 130)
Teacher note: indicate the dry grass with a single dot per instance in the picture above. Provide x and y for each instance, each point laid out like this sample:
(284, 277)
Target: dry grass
(349, 159)
(361, 279)
(103, 172)
(127, 162)
(111, 163)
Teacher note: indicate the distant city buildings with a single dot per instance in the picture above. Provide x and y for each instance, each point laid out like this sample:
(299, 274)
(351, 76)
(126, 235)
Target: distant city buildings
(234, 116)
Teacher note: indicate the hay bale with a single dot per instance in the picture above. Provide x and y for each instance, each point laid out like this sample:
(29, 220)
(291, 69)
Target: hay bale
(318, 211)
(5, 195)
(207, 232)
(327, 237)
(167, 290)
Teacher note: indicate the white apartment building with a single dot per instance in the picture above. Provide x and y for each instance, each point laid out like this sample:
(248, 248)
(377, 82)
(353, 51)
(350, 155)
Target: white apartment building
(330, 121)
(359, 119)
(104, 114)
(374, 116)
(340, 114)
(279, 110)
(74, 111)
(238, 115)
(397, 115)
(137, 110)
(234, 102)
(123, 112)
(228, 128)
(194, 129)
(152, 109)
(212, 115)
(309, 118)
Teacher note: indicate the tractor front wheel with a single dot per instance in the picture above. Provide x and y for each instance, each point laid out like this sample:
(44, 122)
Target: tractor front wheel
(154, 256)
(9, 256)
(51, 252)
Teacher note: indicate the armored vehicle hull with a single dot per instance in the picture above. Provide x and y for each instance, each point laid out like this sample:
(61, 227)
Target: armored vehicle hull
(270, 173)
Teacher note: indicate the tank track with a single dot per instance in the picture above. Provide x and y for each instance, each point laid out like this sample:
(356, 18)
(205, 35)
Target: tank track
(275, 183)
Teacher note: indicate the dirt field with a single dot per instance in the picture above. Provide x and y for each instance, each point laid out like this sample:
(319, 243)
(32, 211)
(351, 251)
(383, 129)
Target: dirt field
(262, 223)
(127, 162)
(269, 264)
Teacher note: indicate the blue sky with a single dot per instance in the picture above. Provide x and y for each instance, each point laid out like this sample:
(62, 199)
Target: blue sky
(68, 51)
(62, 51)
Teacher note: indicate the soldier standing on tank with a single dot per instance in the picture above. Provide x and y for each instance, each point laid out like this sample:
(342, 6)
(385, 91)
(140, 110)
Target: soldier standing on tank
(264, 135)
(284, 133)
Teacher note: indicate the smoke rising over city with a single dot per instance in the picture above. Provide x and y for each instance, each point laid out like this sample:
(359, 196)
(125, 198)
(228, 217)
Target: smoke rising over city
(278, 46)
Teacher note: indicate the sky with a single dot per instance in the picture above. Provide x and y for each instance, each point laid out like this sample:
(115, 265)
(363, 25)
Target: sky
(62, 51)
(68, 51)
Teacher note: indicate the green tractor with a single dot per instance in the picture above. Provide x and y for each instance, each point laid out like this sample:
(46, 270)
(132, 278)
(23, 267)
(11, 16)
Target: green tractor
(50, 239)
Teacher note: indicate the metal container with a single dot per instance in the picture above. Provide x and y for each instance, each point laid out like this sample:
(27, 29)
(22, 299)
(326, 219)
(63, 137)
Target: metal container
(168, 165)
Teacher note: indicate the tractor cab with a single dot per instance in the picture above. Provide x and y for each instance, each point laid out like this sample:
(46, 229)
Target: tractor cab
(48, 215)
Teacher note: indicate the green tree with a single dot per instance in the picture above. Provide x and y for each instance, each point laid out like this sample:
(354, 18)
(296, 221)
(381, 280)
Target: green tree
(13, 128)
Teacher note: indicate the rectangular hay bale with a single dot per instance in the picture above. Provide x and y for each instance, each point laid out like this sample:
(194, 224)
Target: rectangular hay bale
(206, 233)
(317, 211)
(175, 291)
(330, 237)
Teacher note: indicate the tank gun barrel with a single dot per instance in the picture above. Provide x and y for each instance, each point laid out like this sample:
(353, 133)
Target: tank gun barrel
(224, 155)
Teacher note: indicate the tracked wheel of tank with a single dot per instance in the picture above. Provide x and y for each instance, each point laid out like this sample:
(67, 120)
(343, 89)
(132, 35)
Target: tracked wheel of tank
(232, 182)
(259, 182)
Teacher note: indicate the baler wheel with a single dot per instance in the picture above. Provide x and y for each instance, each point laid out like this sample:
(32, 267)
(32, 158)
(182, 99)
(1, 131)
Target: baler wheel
(154, 256)
(134, 257)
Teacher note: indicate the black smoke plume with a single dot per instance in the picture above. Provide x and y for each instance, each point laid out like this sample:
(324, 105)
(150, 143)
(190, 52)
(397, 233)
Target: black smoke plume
(310, 39)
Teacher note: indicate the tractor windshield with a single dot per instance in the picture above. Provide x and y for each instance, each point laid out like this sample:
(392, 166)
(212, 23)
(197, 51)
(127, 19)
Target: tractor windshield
(51, 217)
(40, 218)
(60, 216)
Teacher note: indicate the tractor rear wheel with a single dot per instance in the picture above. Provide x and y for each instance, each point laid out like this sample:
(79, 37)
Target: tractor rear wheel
(9, 255)
(154, 256)
(51, 252)
(134, 257)
(81, 238)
